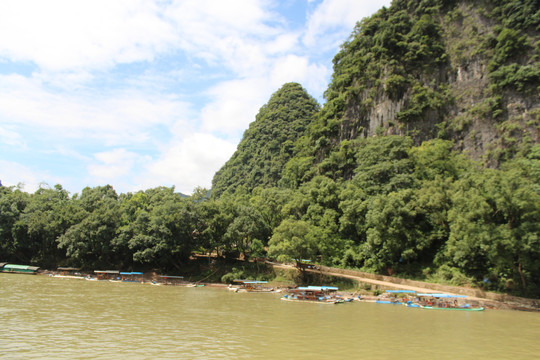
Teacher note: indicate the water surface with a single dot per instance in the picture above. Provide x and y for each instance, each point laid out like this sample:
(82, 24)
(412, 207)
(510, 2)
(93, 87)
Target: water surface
(54, 318)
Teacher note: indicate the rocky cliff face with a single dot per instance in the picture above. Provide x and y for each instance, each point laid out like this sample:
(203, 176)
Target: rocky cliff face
(451, 71)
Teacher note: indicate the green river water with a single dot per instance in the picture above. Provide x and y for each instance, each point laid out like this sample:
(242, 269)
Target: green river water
(53, 318)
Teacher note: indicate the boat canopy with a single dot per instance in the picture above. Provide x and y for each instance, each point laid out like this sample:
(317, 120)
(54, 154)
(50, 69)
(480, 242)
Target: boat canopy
(106, 271)
(171, 277)
(68, 269)
(318, 288)
(131, 273)
(21, 268)
(250, 281)
(401, 291)
(325, 287)
(443, 295)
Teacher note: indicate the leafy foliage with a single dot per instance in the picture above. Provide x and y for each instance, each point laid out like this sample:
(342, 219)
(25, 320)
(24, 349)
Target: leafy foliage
(310, 183)
(269, 142)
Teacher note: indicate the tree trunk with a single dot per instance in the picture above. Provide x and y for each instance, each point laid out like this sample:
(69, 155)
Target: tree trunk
(523, 282)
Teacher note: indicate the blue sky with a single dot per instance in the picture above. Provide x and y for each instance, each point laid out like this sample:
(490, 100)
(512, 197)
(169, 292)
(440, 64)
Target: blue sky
(146, 93)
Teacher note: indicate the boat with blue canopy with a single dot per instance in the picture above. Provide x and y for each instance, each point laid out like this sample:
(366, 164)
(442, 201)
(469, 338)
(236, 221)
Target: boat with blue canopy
(133, 276)
(250, 286)
(314, 294)
(438, 301)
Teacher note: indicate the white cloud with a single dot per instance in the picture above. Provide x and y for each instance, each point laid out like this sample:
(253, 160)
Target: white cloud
(294, 68)
(13, 174)
(112, 118)
(117, 163)
(235, 104)
(189, 162)
(68, 35)
(334, 15)
(11, 138)
(87, 35)
(282, 43)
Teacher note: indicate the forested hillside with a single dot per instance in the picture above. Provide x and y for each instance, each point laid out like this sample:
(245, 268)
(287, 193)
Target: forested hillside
(465, 71)
(424, 162)
(269, 142)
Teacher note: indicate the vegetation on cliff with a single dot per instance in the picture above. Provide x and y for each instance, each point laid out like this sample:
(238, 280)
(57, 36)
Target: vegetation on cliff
(269, 142)
(424, 162)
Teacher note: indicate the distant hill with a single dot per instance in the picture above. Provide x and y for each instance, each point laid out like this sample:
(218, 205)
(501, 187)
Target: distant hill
(269, 142)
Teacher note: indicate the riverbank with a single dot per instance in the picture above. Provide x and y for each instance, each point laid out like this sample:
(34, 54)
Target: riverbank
(372, 284)
(486, 299)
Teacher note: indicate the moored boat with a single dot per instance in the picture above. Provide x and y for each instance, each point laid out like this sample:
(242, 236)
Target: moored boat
(442, 302)
(18, 269)
(313, 294)
(133, 276)
(195, 285)
(250, 286)
(68, 272)
(396, 297)
(169, 280)
(110, 275)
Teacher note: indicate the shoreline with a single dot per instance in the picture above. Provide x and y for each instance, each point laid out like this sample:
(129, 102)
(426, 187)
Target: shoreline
(496, 302)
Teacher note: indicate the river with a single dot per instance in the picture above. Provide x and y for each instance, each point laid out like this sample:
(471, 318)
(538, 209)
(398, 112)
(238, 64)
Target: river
(56, 318)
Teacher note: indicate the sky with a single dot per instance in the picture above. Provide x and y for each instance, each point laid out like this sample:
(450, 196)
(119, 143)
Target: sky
(146, 93)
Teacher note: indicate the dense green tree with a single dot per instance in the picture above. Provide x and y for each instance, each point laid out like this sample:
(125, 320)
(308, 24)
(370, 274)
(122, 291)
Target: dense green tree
(89, 243)
(293, 240)
(47, 216)
(269, 142)
(367, 181)
(164, 237)
(384, 165)
(13, 201)
(270, 203)
(247, 230)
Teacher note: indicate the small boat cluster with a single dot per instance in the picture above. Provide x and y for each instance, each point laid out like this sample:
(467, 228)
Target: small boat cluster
(329, 295)
(250, 286)
(305, 294)
(123, 276)
(315, 294)
(429, 301)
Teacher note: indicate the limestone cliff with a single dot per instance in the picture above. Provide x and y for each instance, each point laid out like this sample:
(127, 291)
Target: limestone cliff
(461, 70)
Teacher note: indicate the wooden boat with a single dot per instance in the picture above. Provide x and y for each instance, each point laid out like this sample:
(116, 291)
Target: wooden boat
(249, 286)
(195, 285)
(170, 280)
(442, 302)
(105, 275)
(68, 273)
(391, 297)
(133, 276)
(18, 269)
(313, 294)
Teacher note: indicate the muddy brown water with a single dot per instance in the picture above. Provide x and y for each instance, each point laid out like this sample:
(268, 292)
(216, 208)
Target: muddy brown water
(54, 318)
